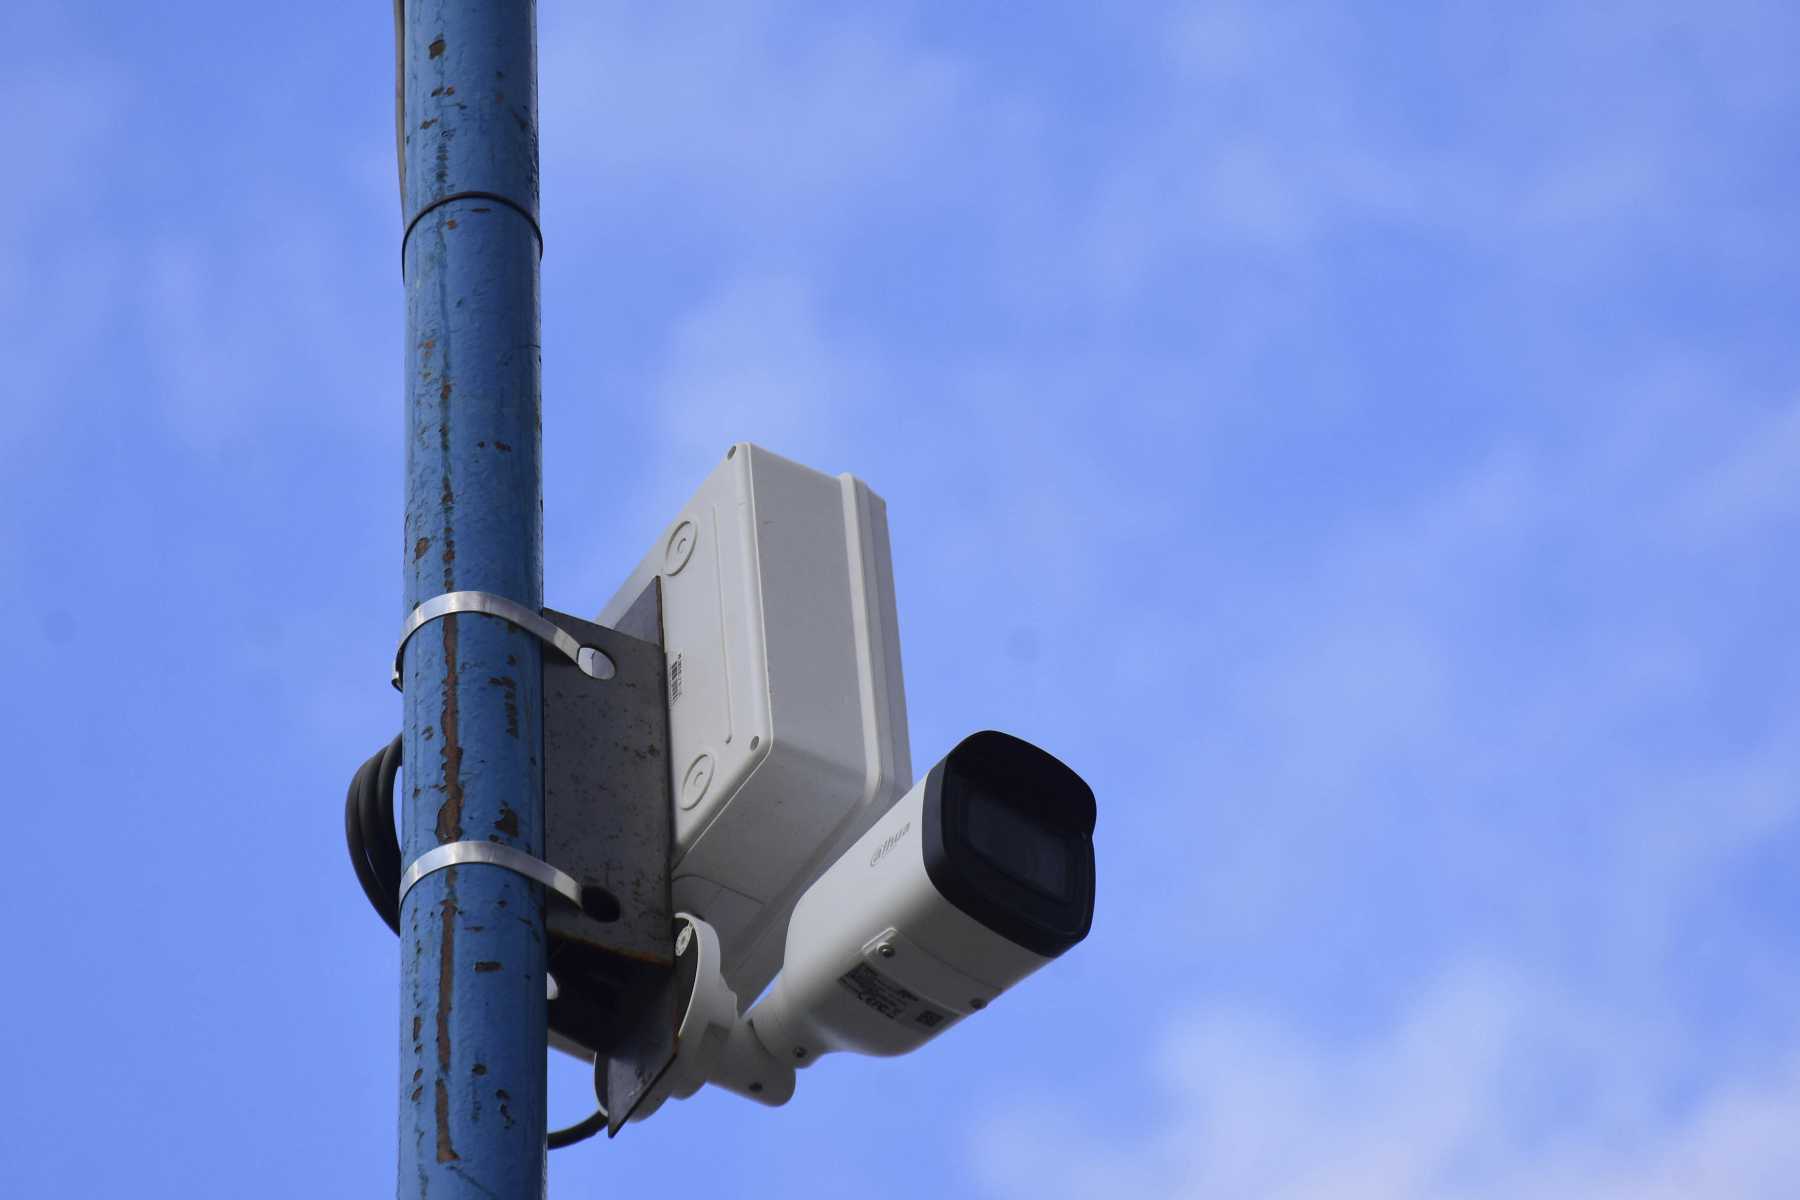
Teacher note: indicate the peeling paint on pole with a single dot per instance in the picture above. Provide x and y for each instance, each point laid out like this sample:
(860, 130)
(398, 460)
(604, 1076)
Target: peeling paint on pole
(473, 946)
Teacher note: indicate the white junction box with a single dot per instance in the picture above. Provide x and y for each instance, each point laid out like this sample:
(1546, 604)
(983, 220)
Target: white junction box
(787, 714)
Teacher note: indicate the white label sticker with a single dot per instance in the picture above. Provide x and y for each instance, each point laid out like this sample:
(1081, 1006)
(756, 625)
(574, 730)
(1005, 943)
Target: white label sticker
(890, 999)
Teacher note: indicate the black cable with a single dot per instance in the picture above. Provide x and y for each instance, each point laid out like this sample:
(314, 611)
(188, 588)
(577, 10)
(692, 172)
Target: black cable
(365, 874)
(579, 1132)
(379, 841)
(369, 832)
(375, 855)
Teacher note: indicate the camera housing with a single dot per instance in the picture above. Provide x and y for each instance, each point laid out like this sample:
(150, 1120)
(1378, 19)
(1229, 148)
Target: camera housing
(787, 709)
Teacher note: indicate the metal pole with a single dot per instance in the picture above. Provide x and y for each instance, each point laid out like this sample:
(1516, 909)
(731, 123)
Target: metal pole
(472, 1007)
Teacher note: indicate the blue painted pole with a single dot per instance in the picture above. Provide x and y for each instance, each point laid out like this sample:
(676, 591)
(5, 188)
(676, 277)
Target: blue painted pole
(472, 1008)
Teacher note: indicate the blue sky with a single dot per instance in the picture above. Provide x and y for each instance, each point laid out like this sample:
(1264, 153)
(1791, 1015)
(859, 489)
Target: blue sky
(1361, 439)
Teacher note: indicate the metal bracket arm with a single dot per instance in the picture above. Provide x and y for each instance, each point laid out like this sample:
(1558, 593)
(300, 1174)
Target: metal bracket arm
(596, 902)
(591, 660)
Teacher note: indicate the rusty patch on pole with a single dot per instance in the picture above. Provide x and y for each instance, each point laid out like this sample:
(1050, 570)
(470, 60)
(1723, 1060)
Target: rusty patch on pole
(446, 1151)
(449, 822)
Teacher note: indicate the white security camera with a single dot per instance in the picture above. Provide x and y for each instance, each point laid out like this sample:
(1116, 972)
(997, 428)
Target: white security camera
(975, 878)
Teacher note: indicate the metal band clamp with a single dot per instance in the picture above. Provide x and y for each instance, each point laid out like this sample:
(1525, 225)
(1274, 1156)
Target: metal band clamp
(589, 659)
(440, 201)
(596, 902)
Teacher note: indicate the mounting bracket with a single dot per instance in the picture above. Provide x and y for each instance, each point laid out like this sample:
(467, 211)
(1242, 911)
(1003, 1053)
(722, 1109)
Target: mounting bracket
(609, 819)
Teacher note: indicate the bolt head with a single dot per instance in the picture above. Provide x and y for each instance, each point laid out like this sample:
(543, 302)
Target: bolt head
(885, 950)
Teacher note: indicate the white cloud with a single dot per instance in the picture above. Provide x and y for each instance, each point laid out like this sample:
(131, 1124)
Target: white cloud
(228, 317)
(1280, 128)
(1486, 1086)
(756, 360)
(1507, 644)
(760, 119)
(59, 279)
(88, 97)
(1752, 484)
(211, 315)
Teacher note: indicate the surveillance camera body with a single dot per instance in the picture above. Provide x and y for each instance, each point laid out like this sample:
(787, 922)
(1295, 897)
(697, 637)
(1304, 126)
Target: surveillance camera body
(978, 876)
(877, 962)
(917, 925)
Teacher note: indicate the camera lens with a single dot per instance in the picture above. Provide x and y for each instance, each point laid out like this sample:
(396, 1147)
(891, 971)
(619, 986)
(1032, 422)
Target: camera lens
(1031, 853)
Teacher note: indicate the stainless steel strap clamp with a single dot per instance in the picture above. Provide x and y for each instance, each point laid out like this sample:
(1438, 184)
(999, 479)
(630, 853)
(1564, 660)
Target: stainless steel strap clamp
(596, 902)
(590, 660)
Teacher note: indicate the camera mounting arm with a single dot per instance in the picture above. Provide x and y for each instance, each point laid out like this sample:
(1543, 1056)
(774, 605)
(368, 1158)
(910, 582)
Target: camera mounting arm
(713, 1045)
